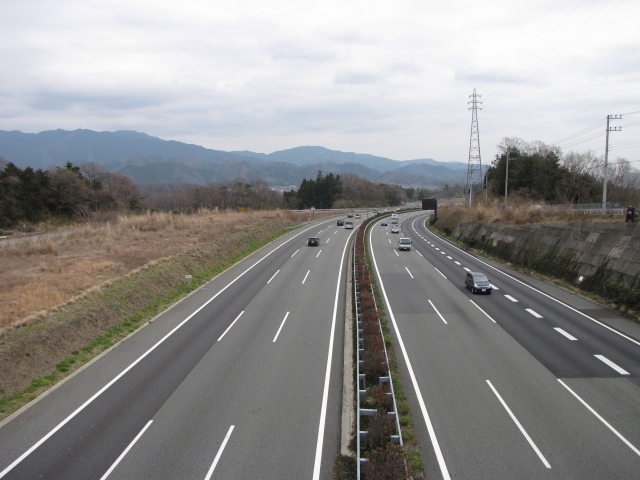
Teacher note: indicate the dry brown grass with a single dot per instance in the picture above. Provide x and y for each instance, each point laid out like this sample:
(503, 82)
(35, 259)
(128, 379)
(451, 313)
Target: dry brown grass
(519, 214)
(41, 274)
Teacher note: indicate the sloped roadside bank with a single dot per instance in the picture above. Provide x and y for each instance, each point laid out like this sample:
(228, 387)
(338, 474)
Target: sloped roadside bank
(597, 260)
(38, 356)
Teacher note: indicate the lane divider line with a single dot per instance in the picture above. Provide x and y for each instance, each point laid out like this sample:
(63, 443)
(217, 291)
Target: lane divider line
(281, 325)
(467, 269)
(456, 262)
(318, 253)
(229, 327)
(328, 239)
(617, 434)
(616, 367)
(441, 317)
(486, 314)
(566, 334)
(534, 313)
(408, 272)
(440, 273)
(138, 360)
(633, 340)
(509, 297)
(273, 276)
(423, 408)
(295, 252)
(494, 287)
(327, 376)
(394, 251)
(305, 277)
(420, 254)
(522, 430)
(450, 258)
(219, 454)
(126, 450)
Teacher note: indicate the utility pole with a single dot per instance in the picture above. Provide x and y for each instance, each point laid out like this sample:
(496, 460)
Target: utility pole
(506, 177)
(475, 162)
(606, 159)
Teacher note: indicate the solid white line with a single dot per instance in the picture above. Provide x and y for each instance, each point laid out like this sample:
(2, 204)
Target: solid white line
(450, 258)
(219, 454)
(325, 394)
(467, 269)
(295, 252)
(318, 253)
(305, 277)
(541, 293)
(394, 251)
(434, 307)
(281, 325)
(419, 254)
(229, 327)
(126, 450)
(511, 298)
(526, 435)
(487, 315)
(618, 369)
(534, 313)
(138, 360)
(273, 276)
(414, 381)
(635, 450)
(440, 272)
(408, 272)
(456, 262)
(566, 334)
(494, 287)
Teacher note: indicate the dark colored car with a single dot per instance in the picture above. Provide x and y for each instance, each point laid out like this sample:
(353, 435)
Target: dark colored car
(477, 282)
(313, 242)
(340, 223)
(384, 223)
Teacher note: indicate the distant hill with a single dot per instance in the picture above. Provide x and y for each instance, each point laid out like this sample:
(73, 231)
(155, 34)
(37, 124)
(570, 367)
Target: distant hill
(3, 162)
(150, 159)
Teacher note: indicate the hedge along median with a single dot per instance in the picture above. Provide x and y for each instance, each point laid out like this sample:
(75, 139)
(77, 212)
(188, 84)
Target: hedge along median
(36, 356)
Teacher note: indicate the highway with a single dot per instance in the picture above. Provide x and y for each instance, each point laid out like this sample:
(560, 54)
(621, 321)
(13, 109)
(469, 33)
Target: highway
(241, 379)
(528, 382)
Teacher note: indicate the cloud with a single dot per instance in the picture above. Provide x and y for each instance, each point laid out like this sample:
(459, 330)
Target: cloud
(355, 77)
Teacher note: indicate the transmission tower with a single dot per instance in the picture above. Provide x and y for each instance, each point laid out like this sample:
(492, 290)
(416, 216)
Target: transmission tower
(474, 172)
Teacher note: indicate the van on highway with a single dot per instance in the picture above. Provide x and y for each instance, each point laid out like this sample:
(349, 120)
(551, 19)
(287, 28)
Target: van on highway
(404, 244)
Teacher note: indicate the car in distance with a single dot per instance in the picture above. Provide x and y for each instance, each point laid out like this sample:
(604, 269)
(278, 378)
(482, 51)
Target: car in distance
(395, 230)
(340, 223)
(349, 215)
(313, 242)
(357, 215)
(477, 282)
(404, 244)
(348, 224)
(384, 223)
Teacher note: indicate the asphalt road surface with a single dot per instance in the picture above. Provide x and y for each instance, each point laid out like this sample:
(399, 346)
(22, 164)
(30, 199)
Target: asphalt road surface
(527, 382)
(242, 379)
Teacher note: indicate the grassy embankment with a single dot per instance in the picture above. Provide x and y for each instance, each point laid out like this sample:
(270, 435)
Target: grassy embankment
(604, 286)
(65, 299)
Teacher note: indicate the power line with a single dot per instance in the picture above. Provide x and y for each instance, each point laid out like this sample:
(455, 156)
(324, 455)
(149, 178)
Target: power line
(543, 45)
(561, 51)
(581, 132)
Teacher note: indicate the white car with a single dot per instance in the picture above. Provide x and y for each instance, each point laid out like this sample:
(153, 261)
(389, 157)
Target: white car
(395, 230)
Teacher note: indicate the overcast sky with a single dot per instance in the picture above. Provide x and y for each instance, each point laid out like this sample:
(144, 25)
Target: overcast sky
(385, 78)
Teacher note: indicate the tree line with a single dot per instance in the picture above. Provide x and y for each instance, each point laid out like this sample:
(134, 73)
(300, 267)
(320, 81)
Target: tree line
(28, 195)
(538, 171)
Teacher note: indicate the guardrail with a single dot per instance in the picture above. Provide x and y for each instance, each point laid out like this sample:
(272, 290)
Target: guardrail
(361, 402)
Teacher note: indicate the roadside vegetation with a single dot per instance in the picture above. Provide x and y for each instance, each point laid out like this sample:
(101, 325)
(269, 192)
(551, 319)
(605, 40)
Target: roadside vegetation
(69, 297)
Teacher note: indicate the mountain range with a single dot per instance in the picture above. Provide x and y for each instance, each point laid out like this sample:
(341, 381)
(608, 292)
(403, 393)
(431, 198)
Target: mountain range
(150, 159)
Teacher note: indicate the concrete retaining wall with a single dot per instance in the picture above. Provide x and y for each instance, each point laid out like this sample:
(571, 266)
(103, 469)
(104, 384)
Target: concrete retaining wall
(591, 242)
